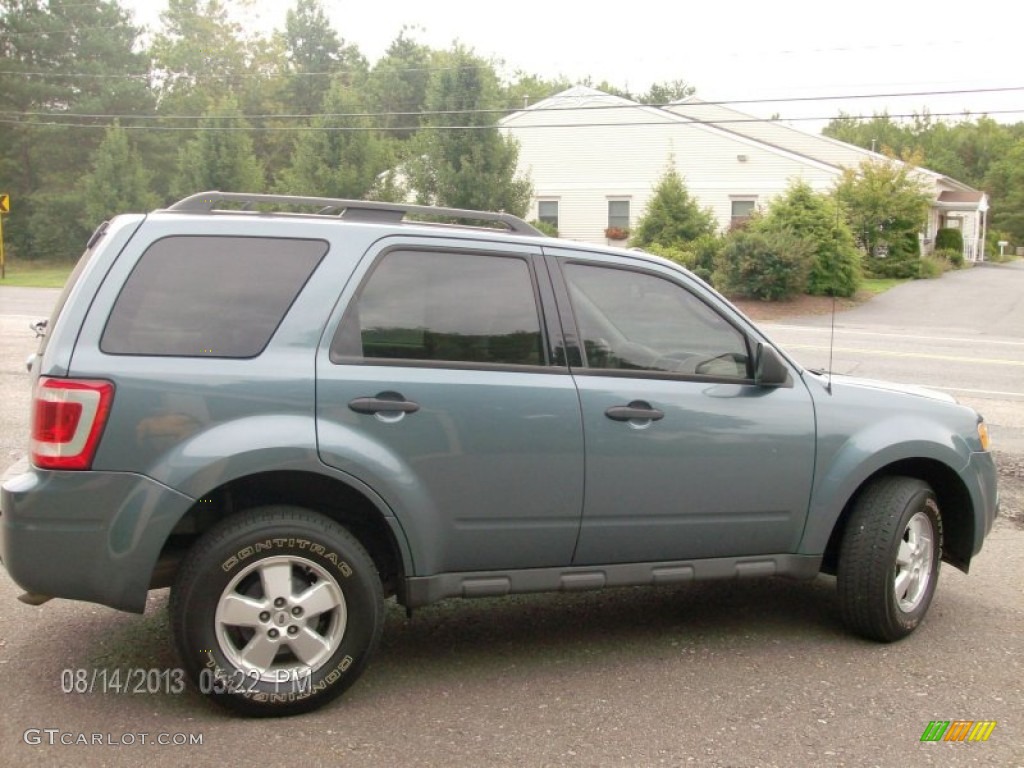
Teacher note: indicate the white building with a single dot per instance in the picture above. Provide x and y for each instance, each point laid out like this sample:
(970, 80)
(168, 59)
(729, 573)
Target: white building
(594, 160)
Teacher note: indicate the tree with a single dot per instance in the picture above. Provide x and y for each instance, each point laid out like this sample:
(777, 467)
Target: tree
(460, 158)
(886, 205)
(342, 156)
(815, 218)
(672, 218)
(879, 134)
(317, 57)
(198, 56)
(221, 157)
(313, 50)
(398, 83)
(62, 62)
(118, 181)
(667, 92)
(1005, 179)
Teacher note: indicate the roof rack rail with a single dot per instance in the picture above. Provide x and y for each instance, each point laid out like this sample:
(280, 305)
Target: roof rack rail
(357, 210)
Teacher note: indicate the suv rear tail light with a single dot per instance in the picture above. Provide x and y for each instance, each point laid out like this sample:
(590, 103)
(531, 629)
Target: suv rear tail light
(68, 416)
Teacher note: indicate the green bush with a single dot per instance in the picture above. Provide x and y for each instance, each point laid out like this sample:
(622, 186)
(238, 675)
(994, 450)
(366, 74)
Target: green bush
(810, 216)
(546, 227)
(931, 267)
(949, 239)
(672, 253)
(767, 266)
(686, 258)
(954, 258)
(992, 240)
(901, 261)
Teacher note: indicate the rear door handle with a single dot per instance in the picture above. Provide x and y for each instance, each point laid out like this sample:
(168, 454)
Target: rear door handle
(638, 410)
(385, 402)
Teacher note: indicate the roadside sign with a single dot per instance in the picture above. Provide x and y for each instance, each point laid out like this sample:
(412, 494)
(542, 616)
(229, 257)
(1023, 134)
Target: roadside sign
(5, 203)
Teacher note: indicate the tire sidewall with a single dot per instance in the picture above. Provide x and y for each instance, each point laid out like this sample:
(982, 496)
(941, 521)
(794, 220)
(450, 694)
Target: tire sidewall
(906, 621)
(199, 645)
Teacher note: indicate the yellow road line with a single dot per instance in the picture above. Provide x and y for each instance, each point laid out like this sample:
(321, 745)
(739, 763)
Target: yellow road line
(840, 331)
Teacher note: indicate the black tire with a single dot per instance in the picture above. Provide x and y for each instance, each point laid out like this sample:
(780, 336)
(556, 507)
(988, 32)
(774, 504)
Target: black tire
(883, 593)
(236, 642)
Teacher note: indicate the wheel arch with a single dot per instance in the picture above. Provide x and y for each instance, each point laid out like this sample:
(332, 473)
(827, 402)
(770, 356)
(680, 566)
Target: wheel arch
(954, 502)
(375, 528)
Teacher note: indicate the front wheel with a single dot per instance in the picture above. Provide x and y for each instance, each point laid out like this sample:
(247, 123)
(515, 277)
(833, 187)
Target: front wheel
(889, 558)
(276, 611)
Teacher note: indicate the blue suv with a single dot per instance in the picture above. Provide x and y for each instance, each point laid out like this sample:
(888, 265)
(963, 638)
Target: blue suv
(289, 409)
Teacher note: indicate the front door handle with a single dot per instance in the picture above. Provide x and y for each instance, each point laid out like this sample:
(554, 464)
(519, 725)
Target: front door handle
(638, 410)
(385, 402)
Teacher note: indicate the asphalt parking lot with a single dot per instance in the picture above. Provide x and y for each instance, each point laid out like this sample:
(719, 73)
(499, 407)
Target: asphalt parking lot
(715, 674)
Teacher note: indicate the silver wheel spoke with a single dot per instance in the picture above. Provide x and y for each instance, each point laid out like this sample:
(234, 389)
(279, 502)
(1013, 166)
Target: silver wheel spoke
(901, 584)
(924, 552)
(259, 652)
(308, 646)
(914, 557)
(905, 554)
(240, 611)
(318, 599)
(277, 580)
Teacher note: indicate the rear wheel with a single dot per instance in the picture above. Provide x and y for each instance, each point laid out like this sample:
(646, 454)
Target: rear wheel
(276, 611)
(889, 558)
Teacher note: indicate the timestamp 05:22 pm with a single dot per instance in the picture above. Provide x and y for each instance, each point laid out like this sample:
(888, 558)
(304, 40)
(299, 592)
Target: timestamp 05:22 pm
(140, 680)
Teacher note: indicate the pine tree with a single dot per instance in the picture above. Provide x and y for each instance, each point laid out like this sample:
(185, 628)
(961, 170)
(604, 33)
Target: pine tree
(118, 181)
(672, 218)
(221, 157)
(460, 158)
(60, 60)
(342, 156)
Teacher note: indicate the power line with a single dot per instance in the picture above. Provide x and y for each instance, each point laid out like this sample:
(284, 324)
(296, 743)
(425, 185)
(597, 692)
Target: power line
(535, 110)
(391, 129)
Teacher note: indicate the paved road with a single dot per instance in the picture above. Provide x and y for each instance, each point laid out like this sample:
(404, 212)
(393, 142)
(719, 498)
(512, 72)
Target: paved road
(722, 674)
(18, 308)
(963, 334)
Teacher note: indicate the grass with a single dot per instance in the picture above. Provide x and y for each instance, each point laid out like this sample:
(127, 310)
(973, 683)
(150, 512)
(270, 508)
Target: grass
(877, 285)
(36, 274)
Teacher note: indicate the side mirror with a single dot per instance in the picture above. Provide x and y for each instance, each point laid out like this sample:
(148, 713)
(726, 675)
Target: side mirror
(769, 370)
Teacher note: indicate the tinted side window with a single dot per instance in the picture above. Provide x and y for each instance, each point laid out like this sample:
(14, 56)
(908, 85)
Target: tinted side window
(200, 296)
(631, 320)
(443, 307)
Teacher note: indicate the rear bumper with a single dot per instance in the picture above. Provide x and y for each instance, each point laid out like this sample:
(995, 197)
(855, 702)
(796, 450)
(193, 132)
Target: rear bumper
(91, 536)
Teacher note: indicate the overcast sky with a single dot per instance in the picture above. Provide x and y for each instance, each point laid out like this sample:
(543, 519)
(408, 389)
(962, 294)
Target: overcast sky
(728, 50)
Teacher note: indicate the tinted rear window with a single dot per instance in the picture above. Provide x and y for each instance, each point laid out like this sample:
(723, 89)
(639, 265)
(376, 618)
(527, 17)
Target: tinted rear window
(444, 308)
(197, 296)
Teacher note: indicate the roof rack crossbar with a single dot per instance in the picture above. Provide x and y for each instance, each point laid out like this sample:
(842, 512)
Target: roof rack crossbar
(357, 210)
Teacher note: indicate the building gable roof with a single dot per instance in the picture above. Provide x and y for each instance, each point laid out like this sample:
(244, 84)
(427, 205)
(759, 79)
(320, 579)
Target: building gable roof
(619, 110)
(771, 135)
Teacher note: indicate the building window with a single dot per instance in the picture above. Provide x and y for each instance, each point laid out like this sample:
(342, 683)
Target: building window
(547, 211)
(618, 214)
(742, 210)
